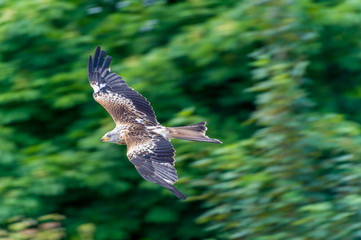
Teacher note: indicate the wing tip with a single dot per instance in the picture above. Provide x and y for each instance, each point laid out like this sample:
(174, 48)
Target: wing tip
(90, 64)
(107, 62)
(178, 193)
(97, 63)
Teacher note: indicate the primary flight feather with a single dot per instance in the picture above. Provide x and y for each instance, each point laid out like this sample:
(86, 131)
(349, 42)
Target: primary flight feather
(148, 142)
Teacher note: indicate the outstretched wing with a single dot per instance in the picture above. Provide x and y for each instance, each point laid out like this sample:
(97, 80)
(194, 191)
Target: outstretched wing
(153, 157)
(123, 103)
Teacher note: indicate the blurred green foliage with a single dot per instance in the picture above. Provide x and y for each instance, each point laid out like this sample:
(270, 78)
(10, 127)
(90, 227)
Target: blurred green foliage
(278, 81)
(46, 227)
(298, 176)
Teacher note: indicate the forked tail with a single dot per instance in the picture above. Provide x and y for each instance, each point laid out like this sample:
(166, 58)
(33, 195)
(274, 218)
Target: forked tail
(195, 132)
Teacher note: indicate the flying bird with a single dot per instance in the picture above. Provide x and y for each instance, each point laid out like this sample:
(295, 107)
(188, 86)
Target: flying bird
(148, 142)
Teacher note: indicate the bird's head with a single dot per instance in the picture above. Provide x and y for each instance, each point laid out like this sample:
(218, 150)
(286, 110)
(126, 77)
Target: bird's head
(109, 137)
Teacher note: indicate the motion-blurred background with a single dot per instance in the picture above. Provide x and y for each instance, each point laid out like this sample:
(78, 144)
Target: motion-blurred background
(278, 81)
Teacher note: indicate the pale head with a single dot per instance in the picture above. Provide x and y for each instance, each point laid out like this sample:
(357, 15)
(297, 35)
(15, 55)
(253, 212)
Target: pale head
(111, 136)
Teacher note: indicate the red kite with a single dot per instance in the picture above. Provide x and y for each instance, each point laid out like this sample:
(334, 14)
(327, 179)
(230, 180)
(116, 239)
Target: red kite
(148, 142)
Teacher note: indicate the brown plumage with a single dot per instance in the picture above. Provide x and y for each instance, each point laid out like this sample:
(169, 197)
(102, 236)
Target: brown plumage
(148, 142)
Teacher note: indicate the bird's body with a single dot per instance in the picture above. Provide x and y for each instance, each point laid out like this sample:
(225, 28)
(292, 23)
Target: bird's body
(148, 142)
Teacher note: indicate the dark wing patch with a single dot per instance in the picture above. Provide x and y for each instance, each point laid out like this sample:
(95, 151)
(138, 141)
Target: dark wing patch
(153, 157)
(109, 86)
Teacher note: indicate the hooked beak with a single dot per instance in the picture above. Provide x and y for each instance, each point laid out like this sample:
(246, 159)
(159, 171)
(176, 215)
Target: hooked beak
(104, 139)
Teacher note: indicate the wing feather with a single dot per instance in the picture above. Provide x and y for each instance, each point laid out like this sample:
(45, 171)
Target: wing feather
(153, 157)
(123, 103)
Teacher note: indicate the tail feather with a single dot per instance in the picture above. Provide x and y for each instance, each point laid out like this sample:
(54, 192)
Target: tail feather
(195, 132)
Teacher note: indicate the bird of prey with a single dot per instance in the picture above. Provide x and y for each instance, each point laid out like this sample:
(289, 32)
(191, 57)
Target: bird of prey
(148, 142)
